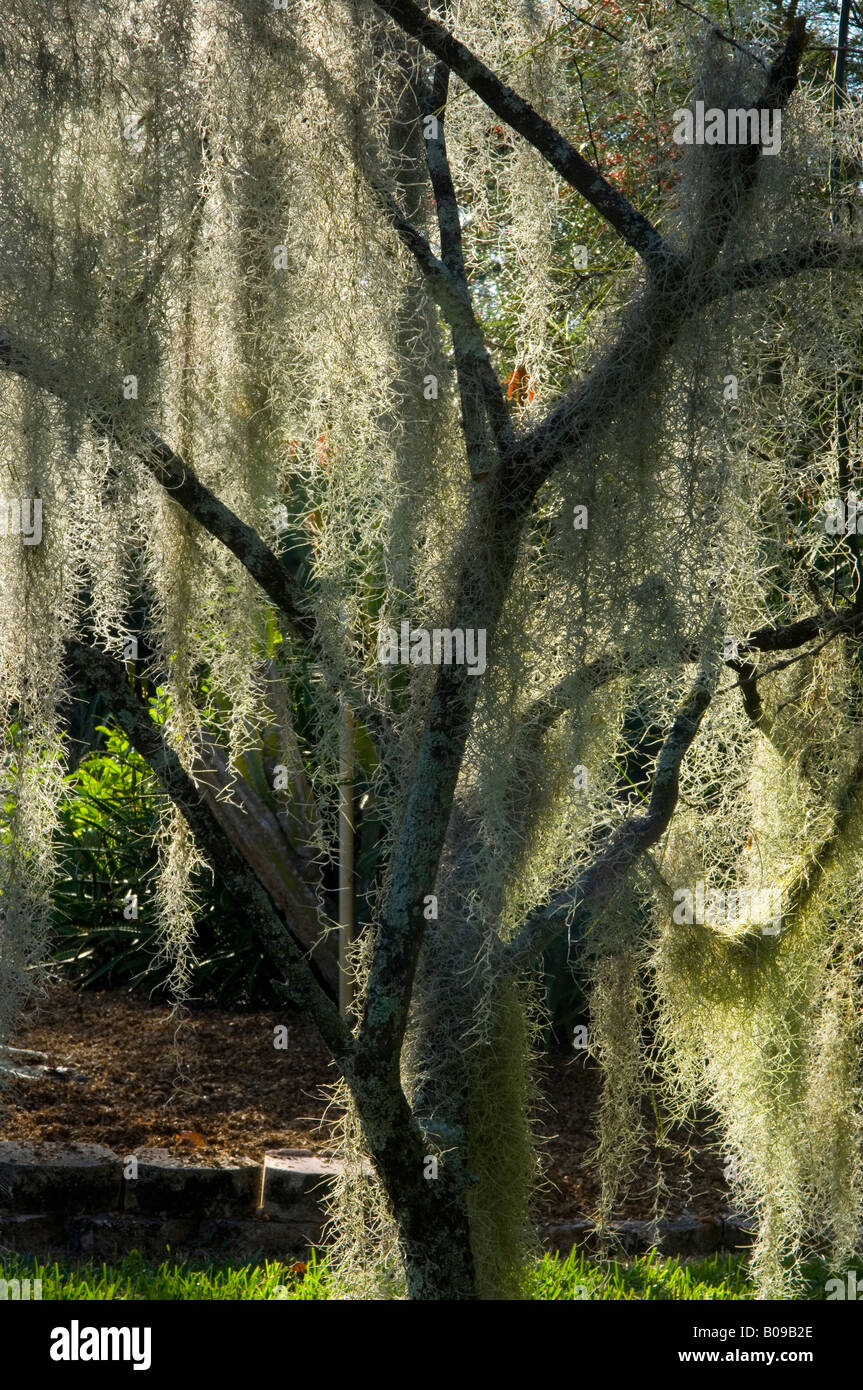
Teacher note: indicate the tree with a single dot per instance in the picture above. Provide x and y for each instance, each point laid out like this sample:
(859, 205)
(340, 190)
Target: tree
(248, 252)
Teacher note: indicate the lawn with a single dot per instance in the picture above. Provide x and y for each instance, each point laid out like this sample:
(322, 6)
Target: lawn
(649, 1277)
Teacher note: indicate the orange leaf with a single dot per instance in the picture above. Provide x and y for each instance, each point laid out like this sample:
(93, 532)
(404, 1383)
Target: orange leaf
(518, 387)
(191, 1136)
(517, 384)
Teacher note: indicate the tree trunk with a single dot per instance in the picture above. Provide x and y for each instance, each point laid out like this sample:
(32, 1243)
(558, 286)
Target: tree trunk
(428, 1200)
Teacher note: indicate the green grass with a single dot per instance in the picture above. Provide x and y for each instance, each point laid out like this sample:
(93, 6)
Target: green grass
(649, 1277)
(132, 1277)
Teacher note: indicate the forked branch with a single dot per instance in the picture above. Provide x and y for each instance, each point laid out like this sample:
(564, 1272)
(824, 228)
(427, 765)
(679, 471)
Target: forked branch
(593, 887)
(631, 225)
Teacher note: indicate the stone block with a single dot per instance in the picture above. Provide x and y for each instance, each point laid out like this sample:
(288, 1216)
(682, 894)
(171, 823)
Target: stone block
(111, 1234)
(72, 1178)
(41, 1236)
(258, 1239)
(296, 1178)
(165, 1186)
(738, 1232)
(684, 1235)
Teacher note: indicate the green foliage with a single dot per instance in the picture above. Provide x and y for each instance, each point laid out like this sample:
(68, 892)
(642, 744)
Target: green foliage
(106, 850)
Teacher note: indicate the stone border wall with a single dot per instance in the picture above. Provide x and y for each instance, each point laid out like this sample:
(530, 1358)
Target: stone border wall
(85, 1201)
(684, 1236)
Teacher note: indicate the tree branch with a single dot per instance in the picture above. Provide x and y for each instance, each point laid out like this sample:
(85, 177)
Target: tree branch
(593, 887)
(726, 38)
(825, 253)
(257, 832)
(481, 395)
(89, 665)
(784, 639)
(450, 293)
(656, 319)
(174, 475)
(750, 673)
(554, 916)
(631, 225)
(597, 673)
(472, 365)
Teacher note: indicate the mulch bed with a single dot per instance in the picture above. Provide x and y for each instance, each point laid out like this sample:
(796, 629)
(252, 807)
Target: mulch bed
(209, 1084)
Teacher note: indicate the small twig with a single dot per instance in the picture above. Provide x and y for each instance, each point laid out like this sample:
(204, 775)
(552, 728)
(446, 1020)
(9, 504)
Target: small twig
(705, 19)
(589, 24)
(596, 159)
(778, 665)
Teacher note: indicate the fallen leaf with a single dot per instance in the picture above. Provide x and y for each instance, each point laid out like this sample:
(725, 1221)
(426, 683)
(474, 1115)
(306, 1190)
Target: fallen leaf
(191, 1136)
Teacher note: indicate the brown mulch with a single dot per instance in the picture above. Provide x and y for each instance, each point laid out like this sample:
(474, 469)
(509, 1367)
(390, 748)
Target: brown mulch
(211, 1085)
